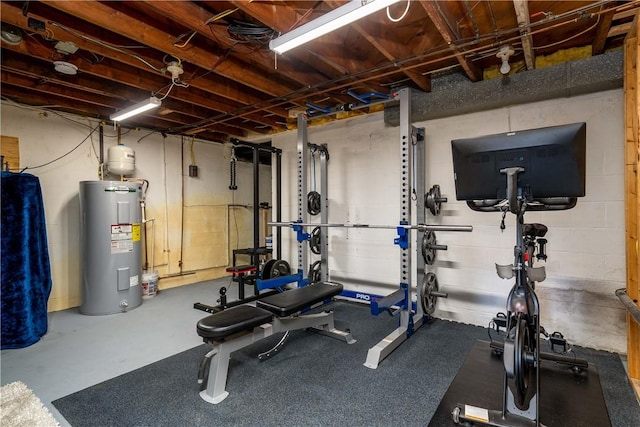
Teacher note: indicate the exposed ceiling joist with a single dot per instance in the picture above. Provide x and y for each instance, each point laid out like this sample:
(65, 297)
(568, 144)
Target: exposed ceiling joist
(473, 72)
(228, 83)
(521, 8)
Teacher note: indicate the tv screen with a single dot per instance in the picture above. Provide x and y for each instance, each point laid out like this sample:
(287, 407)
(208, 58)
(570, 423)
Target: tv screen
(553, 159)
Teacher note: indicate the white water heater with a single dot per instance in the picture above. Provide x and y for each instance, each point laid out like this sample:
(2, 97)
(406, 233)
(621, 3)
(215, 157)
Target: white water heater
(121, 160)
(111, 248)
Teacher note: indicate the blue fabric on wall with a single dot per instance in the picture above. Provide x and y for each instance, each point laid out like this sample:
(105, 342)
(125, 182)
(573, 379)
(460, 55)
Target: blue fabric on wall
(26, 272)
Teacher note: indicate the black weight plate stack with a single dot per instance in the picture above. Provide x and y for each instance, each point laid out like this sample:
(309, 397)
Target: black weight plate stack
(279, 268)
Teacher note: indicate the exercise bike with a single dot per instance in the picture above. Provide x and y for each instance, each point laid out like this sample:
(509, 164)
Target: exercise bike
(521, 348)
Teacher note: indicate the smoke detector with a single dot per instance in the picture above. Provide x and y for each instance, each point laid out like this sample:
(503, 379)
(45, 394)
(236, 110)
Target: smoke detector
(65, 68)
(175, 68)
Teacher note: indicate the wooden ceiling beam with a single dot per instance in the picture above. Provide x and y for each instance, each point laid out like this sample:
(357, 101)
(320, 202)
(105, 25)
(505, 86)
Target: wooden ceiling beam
(195, 17)
(381, 45)
(391, 51)
(78, 107)
(189, 112)
(45, 87)
(111, 19)
(278, 16)
(50, 87)
(521, 8)
(73, 106)
(132, 83)
(225, 97)
(281, 17)
(602, 32)
(473, 72)
(619, 30)
(46, 74)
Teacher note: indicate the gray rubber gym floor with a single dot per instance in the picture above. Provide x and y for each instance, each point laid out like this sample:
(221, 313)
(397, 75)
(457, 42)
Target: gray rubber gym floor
(81, 351)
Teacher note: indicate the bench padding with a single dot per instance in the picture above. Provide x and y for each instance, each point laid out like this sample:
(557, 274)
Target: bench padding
(294, 300)
(237, 269)
(241, 318)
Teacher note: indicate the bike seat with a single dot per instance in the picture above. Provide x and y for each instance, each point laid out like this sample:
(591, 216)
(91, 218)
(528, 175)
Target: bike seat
(535, 230)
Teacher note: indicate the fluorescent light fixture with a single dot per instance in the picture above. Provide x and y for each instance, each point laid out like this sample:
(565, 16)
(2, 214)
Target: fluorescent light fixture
(138, 108)
(337, 18)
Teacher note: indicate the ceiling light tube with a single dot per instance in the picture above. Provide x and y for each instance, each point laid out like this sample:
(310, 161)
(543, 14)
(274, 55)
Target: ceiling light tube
(337, 18)
(138, 108)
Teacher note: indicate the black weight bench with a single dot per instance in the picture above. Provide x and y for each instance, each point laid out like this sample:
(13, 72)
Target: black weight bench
(240, 326)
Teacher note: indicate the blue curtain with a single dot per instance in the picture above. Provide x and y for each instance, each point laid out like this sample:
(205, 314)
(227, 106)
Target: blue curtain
(26, 272)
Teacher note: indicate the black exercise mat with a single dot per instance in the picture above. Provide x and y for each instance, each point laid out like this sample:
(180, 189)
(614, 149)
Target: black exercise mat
(314, 381)
(566, 398)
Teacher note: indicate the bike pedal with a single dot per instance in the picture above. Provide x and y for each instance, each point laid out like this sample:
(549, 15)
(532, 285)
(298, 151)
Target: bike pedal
(500, 321)
(556, 339)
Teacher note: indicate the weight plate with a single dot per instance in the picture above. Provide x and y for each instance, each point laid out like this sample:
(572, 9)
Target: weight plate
(315, 274)
(432, 200)
(428, 253)
(429, 301)
(315, 241)
(279, 268)
(266, 269)
(314, 202)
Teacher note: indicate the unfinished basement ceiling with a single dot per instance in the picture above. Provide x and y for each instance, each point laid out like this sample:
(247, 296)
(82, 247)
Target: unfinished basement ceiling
(231, 84)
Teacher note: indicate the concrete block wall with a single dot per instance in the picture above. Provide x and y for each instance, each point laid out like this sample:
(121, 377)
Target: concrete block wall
(586, 244)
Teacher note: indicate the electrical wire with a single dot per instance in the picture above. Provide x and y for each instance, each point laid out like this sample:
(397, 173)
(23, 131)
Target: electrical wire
(209, 71)
(168, 91)
(37, 40)
(93, 148)
(245, 32)
(458, 45)
(219, 16)
(47, 109)
(146, 136)
(44, 109)
(392, 19)
(64, 155)
(571, 37)
(183, 45)
(194, 32)
(117, 48)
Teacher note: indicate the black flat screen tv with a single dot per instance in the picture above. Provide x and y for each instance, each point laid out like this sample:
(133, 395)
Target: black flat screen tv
(553, 159)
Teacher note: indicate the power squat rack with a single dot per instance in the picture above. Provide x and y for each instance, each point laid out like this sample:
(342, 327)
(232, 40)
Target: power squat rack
(412, 311)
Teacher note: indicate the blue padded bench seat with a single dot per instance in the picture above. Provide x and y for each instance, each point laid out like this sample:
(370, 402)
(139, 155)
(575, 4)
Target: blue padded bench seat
(292, 301)
(233, 320)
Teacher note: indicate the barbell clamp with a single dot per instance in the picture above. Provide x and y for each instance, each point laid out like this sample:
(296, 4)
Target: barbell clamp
(301, 236)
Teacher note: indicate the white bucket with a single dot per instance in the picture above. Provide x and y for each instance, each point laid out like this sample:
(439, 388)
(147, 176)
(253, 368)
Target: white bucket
(149, 284)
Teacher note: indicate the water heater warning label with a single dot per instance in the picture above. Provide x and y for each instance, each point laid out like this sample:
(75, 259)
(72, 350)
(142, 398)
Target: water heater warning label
(121, 238)
(136, 232)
